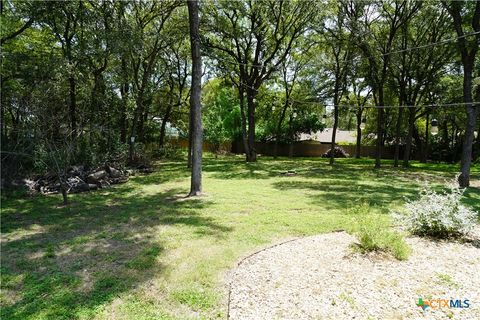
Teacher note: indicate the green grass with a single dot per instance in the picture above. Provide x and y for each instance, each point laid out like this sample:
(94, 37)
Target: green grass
(141, 251)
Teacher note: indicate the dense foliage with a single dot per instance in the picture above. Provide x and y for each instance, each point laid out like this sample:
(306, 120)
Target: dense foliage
(82, 79)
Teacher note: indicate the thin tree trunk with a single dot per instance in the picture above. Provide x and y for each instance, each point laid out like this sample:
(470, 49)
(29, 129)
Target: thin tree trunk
(195, 103)
(124, 90)
(380, 123)
(359, 135)
(279, 128)
(64, 194)
(425, 147)
(408, 145)
(397, 137)
(73, 105)
(335, 126)
(244, 121)
(165, 119)
(252, 154)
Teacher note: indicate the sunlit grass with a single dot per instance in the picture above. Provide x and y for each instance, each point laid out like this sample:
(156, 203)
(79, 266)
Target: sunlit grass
(142, 251)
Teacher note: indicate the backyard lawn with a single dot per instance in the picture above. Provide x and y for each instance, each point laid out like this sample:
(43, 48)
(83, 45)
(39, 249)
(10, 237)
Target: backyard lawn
(142, 251)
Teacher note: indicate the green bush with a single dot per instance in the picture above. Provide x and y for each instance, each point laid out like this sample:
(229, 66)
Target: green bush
(168, 151)
(376, 236)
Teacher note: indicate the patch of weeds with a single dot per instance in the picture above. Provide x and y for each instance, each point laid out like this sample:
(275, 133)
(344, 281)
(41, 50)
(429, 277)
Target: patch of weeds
(50, 251)
(105, 287)
(446, 279)
(347, 298)
(79, 240)
(375, 236)
(196, 299)
(146, 258)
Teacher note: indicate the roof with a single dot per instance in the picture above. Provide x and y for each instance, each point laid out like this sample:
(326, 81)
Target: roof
(326, 136)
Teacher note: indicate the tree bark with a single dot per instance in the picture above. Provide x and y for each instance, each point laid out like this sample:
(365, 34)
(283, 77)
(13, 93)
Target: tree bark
(124, 90)
(425, 146)
(279, 128)
(467, 52)
(252, 153)
(244, 120)
(397, 137)
(408, 145)
(165, 119)
(195, 103)
(464, 177)
(380, 124)
(335, 126)
(359, 134)
(73, 105)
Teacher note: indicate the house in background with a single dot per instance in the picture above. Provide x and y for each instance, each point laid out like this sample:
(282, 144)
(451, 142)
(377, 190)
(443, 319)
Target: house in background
(325, 136)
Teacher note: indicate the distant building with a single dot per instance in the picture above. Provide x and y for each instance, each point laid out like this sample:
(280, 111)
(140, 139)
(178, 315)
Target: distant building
(325, 136)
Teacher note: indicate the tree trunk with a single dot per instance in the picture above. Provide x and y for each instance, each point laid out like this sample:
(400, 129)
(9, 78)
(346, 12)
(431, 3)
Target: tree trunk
(73, 105)
(397, 137)
(64, 195)
(425, 147)
(380, 123)
(124, 90)
(467, 52)
(252, 154)
(244, 120)
(467, 152)
(279, 128)
(189, 152)
(195, 96)
(165, 119)
(359, 135)
(335, 126)
(408, 145)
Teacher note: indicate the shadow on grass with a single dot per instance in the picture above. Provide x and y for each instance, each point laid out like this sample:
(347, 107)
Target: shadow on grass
(69, 261)
(345, 194)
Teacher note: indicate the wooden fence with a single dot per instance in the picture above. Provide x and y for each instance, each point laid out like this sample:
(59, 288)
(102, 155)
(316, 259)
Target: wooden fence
(297, 149)
(309, 149)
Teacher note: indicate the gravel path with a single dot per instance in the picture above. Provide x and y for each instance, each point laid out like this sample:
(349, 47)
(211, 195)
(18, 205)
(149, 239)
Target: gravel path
(320, 278)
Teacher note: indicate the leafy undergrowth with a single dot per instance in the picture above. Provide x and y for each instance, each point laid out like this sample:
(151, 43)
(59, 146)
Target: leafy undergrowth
(373, 236)
(142, 251)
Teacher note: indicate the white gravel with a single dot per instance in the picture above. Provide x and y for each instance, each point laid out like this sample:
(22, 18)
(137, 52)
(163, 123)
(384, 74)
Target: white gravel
(320, 277)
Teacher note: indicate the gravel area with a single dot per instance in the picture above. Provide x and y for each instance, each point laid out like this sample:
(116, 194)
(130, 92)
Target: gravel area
(320, 277)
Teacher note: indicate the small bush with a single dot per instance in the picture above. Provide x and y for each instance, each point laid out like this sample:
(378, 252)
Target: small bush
(338, 152)
(168, 151)
(438, 215)
(375, 236)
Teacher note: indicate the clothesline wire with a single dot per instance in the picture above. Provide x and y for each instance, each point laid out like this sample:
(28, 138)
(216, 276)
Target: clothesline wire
(354, 106)
(385, 54)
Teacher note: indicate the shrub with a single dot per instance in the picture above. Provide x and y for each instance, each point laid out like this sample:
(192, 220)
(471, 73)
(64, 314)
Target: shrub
(374, 235)
(438, 215)
(168, 151)
(337, 153)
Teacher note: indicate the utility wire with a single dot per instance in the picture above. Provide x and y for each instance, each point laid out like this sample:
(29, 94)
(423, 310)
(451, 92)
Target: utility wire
(232, 62)
(432, 44)
(432, 105)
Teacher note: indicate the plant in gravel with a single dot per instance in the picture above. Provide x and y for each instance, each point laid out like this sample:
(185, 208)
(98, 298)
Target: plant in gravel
(437, 214)
(375, 236)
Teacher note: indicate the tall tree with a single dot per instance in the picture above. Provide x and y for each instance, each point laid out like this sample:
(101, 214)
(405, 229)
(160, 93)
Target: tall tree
(195, 99)
(340, 45)
(375, 38)
(252, 39)
(464, 13)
